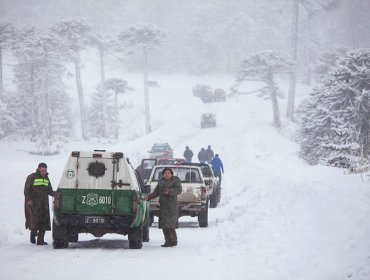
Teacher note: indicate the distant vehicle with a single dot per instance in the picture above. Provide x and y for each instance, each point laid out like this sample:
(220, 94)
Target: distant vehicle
(161, 150)
(170, 161)
(207, 94)
(204, 92)
(147, 165)
(212, 181)
(193, 201)
(99, 193)
(219, 95)
(208, 120)
(145, 168)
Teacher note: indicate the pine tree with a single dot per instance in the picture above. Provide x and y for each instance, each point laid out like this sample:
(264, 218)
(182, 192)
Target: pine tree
(146, 39)
(335, 120)
(74, 35)
(43, 108)
(111, 123)
(263, 66)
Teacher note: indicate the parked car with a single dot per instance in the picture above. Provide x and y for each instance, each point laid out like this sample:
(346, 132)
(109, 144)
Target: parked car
(208, 120)
(145, 168)
(98, 193)
(170, 161)
(193, 201)
(161, 150)
(219, 95)
(204, 92)
(212, 181)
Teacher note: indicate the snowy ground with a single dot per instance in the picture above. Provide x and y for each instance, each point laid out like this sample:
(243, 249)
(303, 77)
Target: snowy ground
(278, 219)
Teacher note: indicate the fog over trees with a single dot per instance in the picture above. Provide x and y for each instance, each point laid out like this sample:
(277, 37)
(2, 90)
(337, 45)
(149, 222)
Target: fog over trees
(44, 38)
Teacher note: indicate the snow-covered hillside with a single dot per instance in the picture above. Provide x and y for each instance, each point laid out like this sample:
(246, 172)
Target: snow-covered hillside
(278, 219)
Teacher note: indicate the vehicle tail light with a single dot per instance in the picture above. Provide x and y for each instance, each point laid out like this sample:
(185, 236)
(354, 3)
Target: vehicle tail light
(203, 192)
(134, 203)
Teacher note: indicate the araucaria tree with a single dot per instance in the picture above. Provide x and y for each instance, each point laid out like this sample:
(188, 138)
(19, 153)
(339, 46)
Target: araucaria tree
(262, 67)
(335, 126)
(107, 127)
(40, 103)
(145, 39)
(74, 35)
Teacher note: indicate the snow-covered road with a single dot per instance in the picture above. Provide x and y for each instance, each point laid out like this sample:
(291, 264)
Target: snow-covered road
(279, 218)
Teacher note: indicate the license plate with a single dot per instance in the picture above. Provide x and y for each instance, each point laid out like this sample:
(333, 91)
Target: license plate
(94, 220)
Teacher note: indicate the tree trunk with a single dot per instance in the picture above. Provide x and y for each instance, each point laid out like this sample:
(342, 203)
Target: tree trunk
(1, 76)
(294, 47)
(32, 93)
(274, 100)
(102, 75)
(116, 115)
(81, 98)
(146, 93)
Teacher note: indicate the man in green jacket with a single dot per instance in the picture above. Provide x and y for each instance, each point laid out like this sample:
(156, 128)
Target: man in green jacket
(36, 206)
(167, 189)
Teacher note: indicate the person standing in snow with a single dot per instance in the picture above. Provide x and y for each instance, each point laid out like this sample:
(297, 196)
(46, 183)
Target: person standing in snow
(217, 167)
(188, 154)
(202, 156)
(36, 191)
(167, 189)
(210, 154)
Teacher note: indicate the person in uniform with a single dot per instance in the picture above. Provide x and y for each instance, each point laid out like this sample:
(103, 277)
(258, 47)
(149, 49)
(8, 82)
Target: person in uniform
(36, 192)
(188, 154)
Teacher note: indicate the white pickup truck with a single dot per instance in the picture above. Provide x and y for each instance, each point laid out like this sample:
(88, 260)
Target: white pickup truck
(193, 201)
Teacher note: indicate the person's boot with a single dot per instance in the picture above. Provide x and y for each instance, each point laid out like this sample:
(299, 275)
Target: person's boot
(173, 237)
(167, 241)
(33, 236)
(40, 238)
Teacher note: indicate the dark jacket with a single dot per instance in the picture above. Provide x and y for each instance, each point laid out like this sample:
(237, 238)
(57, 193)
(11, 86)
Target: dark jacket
(210, 154)
(37, 189)
(217, 165)
(202, 156)
(188, 154)
(168, 202)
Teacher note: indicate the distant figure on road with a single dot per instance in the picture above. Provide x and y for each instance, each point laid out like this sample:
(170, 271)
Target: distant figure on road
(217, 166)
(210, 154)
(36, 205)
(188, 154)
(202, 156)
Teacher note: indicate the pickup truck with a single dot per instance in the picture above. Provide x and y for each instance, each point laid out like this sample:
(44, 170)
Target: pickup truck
(193, 201)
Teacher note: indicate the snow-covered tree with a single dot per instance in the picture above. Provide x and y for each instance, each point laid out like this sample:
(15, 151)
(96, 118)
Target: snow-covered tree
(6, 37)
(74, 36)
(335, 123)
(311, 7)
(146, 39)
(328, 60)
(43, 108)
(263, 66)
(111, 123)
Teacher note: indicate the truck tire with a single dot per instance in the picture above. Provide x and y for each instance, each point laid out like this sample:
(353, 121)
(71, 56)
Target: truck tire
(73, 237)
(203, 216)
(219, 195)
(213, 199)
(60, 236)
(135, 238)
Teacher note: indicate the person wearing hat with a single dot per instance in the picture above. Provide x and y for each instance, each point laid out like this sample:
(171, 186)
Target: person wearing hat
(167, 189)
(36, 191)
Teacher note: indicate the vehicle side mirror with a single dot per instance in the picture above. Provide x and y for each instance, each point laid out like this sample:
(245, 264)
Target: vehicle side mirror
(146, 189)
(206, 182)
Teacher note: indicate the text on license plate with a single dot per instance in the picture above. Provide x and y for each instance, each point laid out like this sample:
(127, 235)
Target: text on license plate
(94, 220)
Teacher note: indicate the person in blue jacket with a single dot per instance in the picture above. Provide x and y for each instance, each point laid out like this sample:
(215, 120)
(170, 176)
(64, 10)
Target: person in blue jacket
(217, 166)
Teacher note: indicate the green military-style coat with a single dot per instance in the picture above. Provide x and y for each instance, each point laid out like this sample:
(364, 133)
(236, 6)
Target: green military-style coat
(37, 189)
(168, 202)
